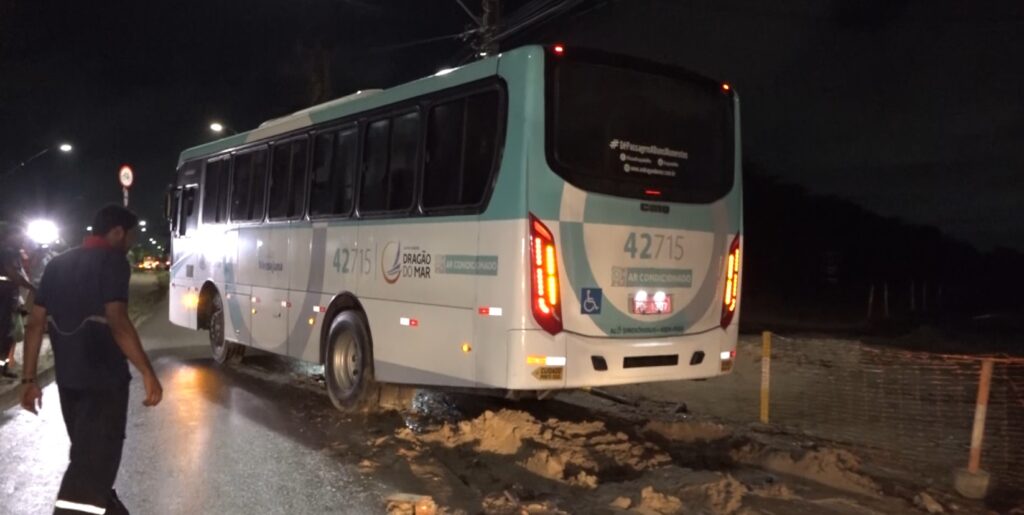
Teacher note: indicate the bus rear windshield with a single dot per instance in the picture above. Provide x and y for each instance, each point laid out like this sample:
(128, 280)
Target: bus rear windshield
(647, 132)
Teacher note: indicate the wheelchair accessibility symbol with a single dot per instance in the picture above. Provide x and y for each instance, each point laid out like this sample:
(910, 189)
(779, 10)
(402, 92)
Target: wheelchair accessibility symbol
(590, 301)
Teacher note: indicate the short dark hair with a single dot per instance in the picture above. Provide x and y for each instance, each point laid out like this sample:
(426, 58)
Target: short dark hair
(112, 216)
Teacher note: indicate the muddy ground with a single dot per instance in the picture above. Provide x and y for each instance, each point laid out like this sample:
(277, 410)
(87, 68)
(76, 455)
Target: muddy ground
(578, 453)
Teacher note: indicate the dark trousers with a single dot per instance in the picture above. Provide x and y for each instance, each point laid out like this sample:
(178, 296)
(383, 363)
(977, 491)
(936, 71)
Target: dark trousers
(96, 421)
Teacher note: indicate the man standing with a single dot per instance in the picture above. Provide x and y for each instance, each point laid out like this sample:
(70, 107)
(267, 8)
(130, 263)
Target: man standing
(84, 299)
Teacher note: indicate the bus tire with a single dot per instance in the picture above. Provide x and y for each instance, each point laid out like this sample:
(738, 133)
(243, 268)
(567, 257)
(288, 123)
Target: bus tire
(348, 363)
(224, 352)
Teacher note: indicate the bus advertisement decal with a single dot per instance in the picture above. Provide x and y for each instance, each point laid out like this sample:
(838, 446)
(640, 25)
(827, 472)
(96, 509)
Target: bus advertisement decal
(662, 277)
(397, 262)
(466, 265)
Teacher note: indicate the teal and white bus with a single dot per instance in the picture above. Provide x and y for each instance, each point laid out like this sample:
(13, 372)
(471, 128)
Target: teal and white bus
(548, 218)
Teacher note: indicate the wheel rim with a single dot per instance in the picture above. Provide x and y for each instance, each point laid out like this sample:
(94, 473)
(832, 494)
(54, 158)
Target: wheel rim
(217, 327)
(346, 363)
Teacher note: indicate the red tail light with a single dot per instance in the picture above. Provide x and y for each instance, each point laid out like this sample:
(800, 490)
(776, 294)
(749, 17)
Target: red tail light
(545, 295)
(730, 297)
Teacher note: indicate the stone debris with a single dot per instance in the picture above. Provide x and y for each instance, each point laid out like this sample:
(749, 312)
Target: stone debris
(656, 502)
(928, 503)
(412, 504)
(723, 497)
(507, 503)
(622, 503)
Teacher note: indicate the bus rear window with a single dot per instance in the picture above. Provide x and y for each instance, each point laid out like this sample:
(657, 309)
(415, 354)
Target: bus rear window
(638, 131)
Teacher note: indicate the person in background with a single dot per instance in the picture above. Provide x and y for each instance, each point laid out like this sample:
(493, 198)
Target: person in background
(12, 278)
(83, 299)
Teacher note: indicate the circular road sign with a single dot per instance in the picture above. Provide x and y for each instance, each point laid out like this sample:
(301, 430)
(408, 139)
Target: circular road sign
(126, 176)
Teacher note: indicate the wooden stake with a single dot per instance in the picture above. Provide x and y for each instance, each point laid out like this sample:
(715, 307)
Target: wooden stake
(766, 371)
(980, 411)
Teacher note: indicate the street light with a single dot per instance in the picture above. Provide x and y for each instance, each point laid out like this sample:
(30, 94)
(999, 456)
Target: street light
(220, 128)
(63, 147)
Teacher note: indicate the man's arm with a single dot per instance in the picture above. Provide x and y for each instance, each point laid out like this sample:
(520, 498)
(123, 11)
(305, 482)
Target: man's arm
(128, 340)
(31, 395)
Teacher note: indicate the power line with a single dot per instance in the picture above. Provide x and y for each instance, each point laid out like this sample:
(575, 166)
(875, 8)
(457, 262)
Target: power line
(460, 35)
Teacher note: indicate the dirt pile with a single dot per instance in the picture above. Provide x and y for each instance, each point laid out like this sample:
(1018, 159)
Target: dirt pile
(686, 431)
(411, 504)
(577, 453)
(507, 503)
(722, 497)
(653, 501)
(836, 468)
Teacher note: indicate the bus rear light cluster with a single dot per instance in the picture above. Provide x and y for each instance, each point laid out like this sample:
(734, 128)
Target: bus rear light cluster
(730, 297)
(544, 287)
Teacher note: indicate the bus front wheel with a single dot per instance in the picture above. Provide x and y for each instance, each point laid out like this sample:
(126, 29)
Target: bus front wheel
(348, 363)
(224, 352)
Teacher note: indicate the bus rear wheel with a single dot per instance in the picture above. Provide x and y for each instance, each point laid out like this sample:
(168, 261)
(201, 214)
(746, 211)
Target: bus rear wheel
(224, 352)
(348, 363)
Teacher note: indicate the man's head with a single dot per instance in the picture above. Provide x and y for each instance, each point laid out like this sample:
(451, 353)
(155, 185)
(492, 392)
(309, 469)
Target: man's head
(117, 225)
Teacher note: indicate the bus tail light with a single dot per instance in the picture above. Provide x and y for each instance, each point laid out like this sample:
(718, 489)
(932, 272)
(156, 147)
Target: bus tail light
(545, 296)
(730, 297)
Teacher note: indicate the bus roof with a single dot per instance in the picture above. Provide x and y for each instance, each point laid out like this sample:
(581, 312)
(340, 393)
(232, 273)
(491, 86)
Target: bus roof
(360, 101)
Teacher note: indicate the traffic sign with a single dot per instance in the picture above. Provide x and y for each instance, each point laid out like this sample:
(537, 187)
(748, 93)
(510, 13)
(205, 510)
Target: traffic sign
(126, 176)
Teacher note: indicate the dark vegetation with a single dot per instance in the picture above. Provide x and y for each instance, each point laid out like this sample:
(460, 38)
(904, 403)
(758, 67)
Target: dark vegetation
(813, 262)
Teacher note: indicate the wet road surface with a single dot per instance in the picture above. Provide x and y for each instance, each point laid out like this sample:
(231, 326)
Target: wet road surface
(222, 441)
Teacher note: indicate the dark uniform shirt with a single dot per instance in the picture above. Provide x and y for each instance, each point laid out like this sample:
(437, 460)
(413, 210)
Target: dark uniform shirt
(74, 290)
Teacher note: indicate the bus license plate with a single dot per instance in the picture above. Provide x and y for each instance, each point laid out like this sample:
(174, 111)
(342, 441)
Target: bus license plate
(650, 305)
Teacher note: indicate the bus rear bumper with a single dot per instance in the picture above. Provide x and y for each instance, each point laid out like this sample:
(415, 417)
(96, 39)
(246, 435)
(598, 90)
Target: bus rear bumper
(592, 361)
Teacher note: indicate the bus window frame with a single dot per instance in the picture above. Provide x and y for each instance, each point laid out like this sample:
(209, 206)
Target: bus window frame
(226, 197)
(391, 113)
(345, 124)
(422, 104)
(288, 139)
(263, 145)
(598, 57)
(463, 93)
(192, 221)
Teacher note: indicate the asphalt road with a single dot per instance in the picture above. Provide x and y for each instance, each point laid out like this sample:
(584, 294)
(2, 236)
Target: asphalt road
(245, 440)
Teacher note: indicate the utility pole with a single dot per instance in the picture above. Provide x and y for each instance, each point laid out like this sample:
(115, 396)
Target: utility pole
(489, 20)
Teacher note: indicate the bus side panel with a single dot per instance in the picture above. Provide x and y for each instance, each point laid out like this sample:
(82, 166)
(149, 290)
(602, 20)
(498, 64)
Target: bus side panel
(420, 298)
(270, 290)
(427, 351)
(503, 226)
(504, 296)
(240, 281)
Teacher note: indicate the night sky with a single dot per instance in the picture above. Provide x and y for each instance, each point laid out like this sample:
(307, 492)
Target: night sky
(910, 109)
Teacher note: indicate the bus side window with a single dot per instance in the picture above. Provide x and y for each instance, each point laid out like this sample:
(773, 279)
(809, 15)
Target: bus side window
(332, 181)
(212, 195)
(223, 181)
(373, 192)
(189, 216)
(258, 193)
(462, 143)
(173, 208)
(241, 186)
(249, 176)
(403, 165)
(288, 179)
(390, 163)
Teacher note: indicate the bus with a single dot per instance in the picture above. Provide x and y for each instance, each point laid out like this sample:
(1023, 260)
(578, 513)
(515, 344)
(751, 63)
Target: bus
(548, 218)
